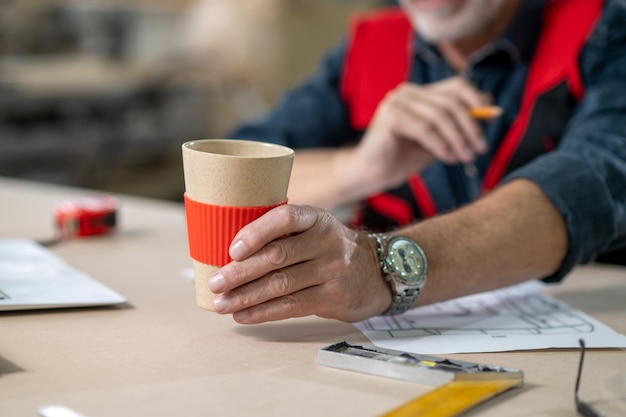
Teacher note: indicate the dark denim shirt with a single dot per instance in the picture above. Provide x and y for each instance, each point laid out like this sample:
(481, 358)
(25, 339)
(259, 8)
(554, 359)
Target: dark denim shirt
(585, 177)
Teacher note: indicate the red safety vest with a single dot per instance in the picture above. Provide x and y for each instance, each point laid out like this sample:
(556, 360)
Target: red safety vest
(379, 58)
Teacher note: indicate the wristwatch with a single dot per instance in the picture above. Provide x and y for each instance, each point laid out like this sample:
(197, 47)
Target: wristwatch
(403, 264)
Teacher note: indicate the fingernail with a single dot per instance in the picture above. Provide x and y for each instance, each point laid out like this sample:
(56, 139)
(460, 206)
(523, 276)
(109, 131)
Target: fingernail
(238, 250)
(217, 283)
(220, 304)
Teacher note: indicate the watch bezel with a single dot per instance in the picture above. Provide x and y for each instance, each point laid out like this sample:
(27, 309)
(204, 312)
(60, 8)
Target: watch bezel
(409, 280)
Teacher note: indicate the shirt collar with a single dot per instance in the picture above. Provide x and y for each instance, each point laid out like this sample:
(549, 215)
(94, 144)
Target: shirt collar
(517, 42)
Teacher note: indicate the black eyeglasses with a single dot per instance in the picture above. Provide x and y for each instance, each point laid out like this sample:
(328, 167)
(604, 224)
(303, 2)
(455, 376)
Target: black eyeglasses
(583, 408)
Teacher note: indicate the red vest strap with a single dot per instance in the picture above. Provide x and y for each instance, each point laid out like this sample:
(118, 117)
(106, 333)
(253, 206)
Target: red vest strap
(567, 25)
(423, 196)
(378, 60)
(392, 207)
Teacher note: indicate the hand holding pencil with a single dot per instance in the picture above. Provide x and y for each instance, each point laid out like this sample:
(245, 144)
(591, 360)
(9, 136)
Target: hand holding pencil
(415, 125)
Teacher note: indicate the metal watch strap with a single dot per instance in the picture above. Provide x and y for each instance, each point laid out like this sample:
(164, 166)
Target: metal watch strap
(403, 300)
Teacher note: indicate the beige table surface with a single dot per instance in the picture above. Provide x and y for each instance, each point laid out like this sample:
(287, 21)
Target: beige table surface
(160, 355)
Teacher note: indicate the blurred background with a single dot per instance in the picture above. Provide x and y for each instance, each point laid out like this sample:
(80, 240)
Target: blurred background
(102, 93)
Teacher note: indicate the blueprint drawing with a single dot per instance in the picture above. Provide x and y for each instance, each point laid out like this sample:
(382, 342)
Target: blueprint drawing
(514, 318)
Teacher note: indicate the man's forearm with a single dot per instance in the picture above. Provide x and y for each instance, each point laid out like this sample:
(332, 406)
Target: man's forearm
(511, 235)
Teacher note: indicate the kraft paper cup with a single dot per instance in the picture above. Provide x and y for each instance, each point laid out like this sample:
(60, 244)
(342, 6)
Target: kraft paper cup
(228, 183)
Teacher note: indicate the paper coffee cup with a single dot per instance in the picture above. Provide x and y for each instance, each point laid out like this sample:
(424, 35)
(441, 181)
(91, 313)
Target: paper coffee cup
(228, 183)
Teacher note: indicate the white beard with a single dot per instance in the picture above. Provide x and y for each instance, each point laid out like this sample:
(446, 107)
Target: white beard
(448, 24)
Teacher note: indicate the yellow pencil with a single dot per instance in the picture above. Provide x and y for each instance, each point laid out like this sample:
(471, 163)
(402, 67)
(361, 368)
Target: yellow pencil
(485, 112)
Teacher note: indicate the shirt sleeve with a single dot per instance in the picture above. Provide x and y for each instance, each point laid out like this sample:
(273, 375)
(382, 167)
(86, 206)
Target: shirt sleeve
(311, 115)
(585, 178)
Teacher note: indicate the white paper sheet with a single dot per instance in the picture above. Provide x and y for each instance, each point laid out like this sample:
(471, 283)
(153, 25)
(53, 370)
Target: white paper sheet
(514, 318)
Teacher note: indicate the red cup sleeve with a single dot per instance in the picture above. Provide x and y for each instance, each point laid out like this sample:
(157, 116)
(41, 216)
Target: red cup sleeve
(211, 228)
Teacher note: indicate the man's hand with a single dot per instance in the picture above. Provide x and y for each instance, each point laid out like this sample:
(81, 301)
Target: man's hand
(414, 125)
(296, 261)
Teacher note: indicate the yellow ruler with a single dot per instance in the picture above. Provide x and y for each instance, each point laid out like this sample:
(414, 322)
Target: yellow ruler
(453, 398)
(460, 385)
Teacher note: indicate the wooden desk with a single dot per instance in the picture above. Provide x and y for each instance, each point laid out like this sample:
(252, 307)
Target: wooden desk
(162, 356)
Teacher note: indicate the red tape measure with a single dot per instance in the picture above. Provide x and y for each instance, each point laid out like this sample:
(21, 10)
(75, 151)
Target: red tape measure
(86, 216)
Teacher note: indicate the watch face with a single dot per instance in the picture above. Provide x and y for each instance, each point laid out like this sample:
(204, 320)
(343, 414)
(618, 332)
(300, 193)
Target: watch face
(407, 260)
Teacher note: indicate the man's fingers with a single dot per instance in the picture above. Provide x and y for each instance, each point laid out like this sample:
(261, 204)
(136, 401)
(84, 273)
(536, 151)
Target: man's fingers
(274, 284)
(416, 122)
(450, 117)
(477, 105)
(278, 222)
(442, 125)
(302, 303)
(271, 257)
(288, 247)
